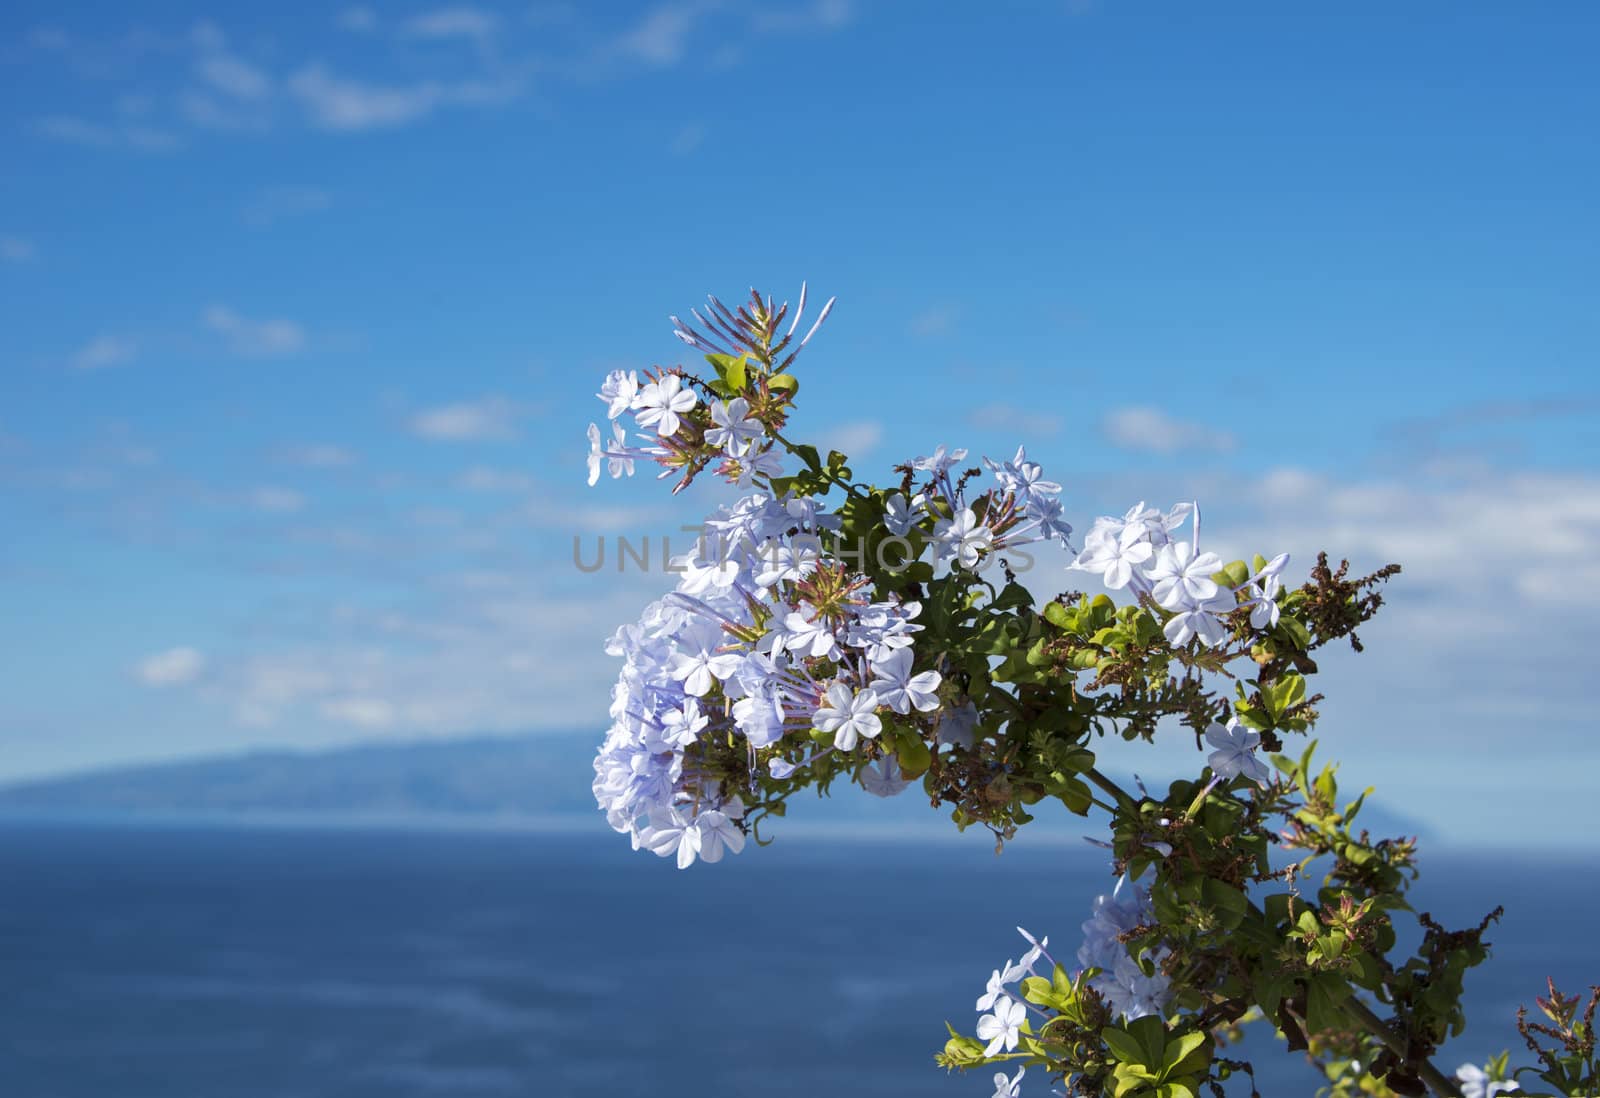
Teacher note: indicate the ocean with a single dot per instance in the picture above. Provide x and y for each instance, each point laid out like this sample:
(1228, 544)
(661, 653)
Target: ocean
(236, 962)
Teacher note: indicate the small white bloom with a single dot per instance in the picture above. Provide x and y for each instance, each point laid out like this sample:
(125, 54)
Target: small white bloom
(1475, 1083)
(619, 391)
(963, 537)
(1235, 752)
(1009, 1088)
(899, 689)
(883, 778)
(901, 515)
(717, 835)
(735, 431)
(1003, 1027)
(1180, 576)
(662, 402)
(849, 716)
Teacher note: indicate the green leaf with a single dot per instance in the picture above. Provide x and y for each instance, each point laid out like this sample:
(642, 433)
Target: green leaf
(1151, 1033)
(784, 383)
(1228, 901)
(1124, 1046)
(1323, 997)
(1180, 1047)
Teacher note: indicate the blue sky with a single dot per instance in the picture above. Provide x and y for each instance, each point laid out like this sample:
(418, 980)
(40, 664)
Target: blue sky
(304, 308)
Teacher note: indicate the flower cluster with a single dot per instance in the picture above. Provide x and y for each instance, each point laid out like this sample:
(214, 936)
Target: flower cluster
(1138, 552)
(769, 639)
(1022, 507)
(1133, 986)
(794, 652)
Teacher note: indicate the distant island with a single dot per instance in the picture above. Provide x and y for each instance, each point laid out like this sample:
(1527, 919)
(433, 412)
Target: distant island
(538, 780)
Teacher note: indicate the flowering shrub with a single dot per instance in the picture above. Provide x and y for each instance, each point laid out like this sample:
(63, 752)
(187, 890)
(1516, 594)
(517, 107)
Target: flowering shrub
(825, 629)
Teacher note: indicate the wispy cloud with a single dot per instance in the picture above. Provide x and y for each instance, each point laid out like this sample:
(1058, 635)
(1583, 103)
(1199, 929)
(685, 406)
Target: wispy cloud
(492, 418)
(688, 139)
(317, 456)
(14, 249)
(931, 323)
(255, 338)
(1434, 434)
(1153, 431)
(103, 352)
(460, 22)
(79, 131)
(853, 439)
(1008, 417)
(276, 500)
(341, 103)
(173, 667)
(270, 205)
(661, 37)
(359, 20)
(491, 481)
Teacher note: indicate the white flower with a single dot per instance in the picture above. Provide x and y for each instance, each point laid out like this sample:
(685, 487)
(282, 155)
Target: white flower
(962, 537)
(617, 462)
(1009, 1088)
(661, 402)
(619, 390)
(669, 833)
(735, 431)
(1031, 958)
(899, 689)
(1475, 1083)
(883, 778)
(717, 834)
(849, 716)
(1114, 556)
(1181, 577)
(1002, 1028)
(900, 515)
(1199, 619)
(781, 768)
(1264, 603)
(958, 726)
(808, 638)
(994, 992)
(1235, 752)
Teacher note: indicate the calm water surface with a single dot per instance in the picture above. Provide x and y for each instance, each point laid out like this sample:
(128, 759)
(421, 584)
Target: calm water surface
(212, 963)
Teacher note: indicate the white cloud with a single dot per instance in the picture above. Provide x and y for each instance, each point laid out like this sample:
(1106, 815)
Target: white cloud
(472, 23)
(317, 456)
(1154, 431)
(275, 500)
(14, 249)
(491, 481)
(255, 338)
(360, 20)
(103, 352)
(932, 323)
(234, 76)
(688, 139)
(363, 712)
(852, 439)
(339, 103)
(270, 205)
(78, 131)
(1007, 417)
(661, 37)
(819, 15)
(174, 667)
(492, 417)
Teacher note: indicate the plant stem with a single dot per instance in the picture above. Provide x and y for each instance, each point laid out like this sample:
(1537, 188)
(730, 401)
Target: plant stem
(1437, 1081)
(817, 467)
(1123, 797)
